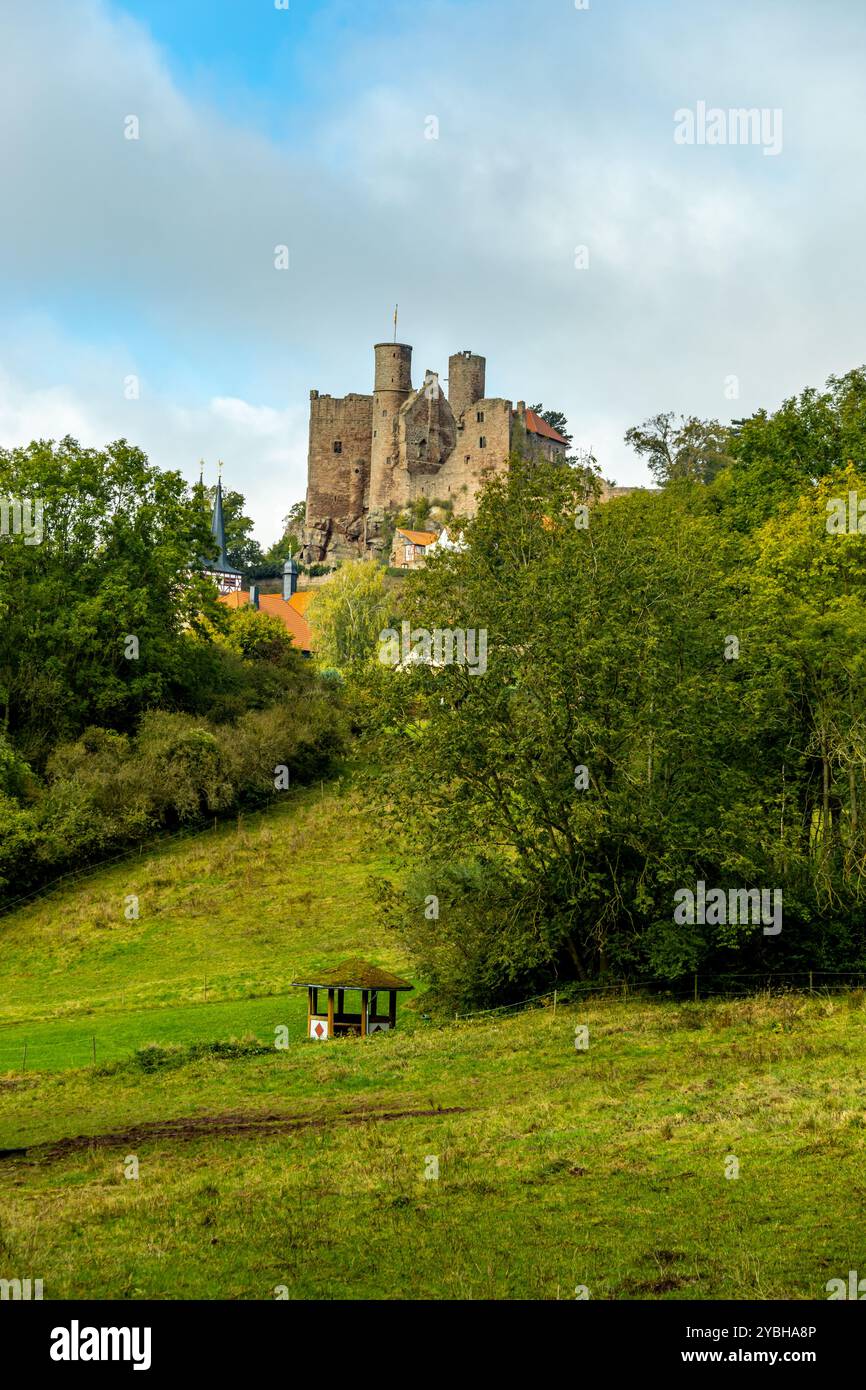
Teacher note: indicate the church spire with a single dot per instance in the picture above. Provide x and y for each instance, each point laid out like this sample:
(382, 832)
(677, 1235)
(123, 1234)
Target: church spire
(218, 526)
(227, 577)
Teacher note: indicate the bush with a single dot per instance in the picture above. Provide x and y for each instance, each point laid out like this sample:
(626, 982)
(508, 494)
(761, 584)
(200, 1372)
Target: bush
(106, 790)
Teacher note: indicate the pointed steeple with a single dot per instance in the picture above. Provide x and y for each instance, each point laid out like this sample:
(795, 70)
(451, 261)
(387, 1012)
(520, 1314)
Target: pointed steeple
(225, 574)
(218, 530)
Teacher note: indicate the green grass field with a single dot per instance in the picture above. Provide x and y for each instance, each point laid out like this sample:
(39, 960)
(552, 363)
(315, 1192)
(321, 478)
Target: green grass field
(483, 1159)
(226, 920)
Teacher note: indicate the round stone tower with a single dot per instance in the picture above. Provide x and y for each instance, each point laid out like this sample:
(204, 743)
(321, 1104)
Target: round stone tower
(393, 386)
(466, 381)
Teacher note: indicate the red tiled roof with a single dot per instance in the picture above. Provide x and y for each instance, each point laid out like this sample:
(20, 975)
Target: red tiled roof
(301, 600)
(418, 537)
(297, 627)
(536, 425)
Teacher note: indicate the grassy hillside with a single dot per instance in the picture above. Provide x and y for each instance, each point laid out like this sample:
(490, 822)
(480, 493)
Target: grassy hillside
(224, 917)
(311, 1169)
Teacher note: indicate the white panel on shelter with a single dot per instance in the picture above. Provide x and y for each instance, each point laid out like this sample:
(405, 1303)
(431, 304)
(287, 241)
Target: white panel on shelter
(318, 1028)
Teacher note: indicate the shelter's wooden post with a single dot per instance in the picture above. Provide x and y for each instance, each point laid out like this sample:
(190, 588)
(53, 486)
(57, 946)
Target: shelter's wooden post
(392, 1007)
(374, 1001)
(309, 1009)
(364, 993)
(341, 993)
(330, 1013)
(315, 999)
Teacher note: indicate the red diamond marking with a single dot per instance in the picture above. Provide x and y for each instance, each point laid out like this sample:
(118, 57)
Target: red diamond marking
(318, 1030)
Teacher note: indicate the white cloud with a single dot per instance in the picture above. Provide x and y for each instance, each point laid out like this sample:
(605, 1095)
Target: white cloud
(156, 256)
(264, 449)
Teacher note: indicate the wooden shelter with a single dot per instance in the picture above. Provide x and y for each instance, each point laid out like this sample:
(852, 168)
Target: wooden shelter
(359, 975)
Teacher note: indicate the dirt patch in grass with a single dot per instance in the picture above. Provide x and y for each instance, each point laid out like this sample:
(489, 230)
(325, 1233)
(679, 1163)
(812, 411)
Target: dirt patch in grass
(209, 1126)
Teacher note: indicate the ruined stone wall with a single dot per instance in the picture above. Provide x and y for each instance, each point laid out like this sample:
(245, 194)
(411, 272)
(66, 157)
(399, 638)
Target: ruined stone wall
(427, 431)
(467, 374)
(392, 388)
(340, 436)
(539, 447)
(372, 455)
(483, 447)
(338, 470)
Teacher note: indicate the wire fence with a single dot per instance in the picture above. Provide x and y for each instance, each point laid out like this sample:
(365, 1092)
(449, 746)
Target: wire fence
(28, 1057)
(90, 1049)
(694, 987)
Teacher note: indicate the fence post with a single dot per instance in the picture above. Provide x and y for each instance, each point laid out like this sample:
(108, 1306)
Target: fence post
(810, 982)
(554, 1003)
(24, 1061)
(93, 1040)
(696, 988)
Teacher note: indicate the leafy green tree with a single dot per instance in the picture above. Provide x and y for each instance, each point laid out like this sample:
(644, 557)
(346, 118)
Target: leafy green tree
(807, 588)
(682, 447)
(260, 637)
(97, 615)
(606, 652)
(348, 613)
(778, 455)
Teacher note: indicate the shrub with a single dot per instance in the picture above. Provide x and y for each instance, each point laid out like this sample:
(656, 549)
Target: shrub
(106, 790)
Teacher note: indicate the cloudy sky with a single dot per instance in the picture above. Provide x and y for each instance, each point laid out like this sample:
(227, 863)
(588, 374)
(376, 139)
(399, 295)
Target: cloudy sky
(307, 127)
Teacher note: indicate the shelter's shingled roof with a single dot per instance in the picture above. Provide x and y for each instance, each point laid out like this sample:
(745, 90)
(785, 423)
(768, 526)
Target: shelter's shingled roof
(354, 974)
(536, 425)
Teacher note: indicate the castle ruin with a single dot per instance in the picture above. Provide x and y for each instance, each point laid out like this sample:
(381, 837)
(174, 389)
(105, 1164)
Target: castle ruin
(372, 455)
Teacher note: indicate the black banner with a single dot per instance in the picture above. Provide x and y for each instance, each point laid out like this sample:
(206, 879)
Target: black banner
(152, 1338)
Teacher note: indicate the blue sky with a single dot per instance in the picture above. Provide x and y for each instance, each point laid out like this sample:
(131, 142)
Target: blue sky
(262, 127)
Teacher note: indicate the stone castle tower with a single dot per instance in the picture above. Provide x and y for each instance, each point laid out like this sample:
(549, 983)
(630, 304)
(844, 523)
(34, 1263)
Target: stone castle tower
(371, 455)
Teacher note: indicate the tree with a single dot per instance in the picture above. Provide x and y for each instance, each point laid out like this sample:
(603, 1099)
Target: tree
(779, 455)
(259, 636)
(680, 447)
(97, 617)
(348, 613)
(808, 597)
(289, 541)
(605, 659)
(555, 419)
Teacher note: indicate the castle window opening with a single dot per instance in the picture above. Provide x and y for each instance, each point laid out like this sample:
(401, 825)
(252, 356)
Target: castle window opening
(338, 446)
(482, 443)
(480, 417)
